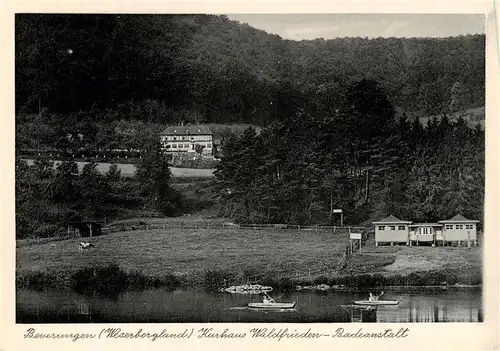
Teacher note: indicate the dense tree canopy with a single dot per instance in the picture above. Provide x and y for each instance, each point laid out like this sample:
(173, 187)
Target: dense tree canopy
(167, 68)
(297, 172)
(339, 117)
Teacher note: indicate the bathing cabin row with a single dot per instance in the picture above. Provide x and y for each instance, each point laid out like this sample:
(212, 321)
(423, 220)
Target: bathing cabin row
(457, 230)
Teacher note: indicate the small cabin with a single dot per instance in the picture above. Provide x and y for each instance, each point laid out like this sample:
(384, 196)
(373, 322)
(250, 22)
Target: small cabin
(426, 233)
(85, 229)
(392, 230)
(460, 230)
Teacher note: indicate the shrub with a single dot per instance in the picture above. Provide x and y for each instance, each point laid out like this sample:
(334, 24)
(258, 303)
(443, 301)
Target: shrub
(46, 231)
(321, 280)
(171, 282)
(36, 280)
(109, 279)
(215, 279)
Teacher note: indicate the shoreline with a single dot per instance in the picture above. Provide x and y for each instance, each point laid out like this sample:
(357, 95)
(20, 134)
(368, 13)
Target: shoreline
(112, 279)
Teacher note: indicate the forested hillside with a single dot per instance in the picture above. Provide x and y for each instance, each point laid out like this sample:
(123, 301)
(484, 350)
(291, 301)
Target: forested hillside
(167, 68)
(361, 159)
(340, 118)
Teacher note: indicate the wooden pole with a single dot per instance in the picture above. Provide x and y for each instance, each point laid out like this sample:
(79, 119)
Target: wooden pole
(366, 186)
(331, 206)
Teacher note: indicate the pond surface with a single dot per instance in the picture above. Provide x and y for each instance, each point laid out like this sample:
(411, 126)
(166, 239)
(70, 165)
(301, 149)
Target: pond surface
(193, 306)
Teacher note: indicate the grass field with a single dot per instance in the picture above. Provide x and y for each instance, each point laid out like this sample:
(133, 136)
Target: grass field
(189, 253)
(462, 264)
(128, 169)
(301, 256)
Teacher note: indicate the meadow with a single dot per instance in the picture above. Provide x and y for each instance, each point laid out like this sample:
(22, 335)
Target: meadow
(242, 254)
(217, 257)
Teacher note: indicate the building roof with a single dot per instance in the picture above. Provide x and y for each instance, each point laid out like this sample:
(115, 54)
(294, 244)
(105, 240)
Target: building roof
(459, 219)
(390, 220)
(426, 225)
(187, 130)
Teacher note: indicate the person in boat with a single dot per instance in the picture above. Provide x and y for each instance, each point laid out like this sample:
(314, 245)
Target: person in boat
(374, 298)
(267, 299)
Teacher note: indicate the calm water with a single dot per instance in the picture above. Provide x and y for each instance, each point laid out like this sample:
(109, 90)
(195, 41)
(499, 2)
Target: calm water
(159, 306)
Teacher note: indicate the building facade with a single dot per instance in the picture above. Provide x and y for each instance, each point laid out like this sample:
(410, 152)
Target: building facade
(391, 230)
(458, 229)
(187, 139)
(426, 233)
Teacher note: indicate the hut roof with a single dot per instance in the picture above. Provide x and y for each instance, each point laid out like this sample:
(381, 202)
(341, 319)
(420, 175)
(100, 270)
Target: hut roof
(459, 219)
(392, 220)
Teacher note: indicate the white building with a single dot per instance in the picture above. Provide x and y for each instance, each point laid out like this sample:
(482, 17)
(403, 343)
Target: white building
(186, 139)
(392, 230)
(460, 229)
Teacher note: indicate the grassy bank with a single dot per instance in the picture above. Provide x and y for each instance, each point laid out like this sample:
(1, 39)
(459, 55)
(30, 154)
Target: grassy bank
(217, 258)
(188, 254)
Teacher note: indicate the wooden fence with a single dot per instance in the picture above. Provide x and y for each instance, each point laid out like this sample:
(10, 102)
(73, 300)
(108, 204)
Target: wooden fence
(227, 225)
(186, 225)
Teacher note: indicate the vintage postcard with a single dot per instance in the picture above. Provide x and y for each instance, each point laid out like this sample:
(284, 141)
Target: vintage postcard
(234, 175)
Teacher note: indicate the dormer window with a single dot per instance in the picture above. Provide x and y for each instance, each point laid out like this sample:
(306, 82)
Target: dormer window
(175, 130)
(187, 131)
(199, 131)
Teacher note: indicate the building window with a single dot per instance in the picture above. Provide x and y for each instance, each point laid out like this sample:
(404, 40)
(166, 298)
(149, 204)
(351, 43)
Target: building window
(469, 226)
(186, 146)
(183, 138)
(392, 227)
(381, 227)
(175, 138)
(174, 146)
(448, 226)
(459, 226)
(401, 227)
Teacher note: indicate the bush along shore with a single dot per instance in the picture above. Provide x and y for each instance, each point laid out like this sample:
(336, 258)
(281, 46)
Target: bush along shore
(111, 280)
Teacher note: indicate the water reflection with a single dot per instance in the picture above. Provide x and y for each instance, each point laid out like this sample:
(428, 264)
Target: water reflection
(185, 306)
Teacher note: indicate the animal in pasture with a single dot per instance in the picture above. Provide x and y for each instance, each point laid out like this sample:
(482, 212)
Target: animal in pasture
(84, 246)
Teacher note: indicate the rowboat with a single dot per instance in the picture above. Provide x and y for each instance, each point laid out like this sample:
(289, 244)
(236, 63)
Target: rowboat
(272, 305)
(376, 302)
